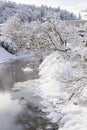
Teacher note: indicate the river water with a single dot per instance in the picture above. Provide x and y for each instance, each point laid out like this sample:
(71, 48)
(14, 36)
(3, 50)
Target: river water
(14, 116)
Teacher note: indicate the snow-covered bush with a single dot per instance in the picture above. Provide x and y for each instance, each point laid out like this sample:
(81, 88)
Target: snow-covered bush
(34, 35)
(49, 34)
(13, 27)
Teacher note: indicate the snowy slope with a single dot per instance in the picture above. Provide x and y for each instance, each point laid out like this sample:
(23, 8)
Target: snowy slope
(4, 55)
(63, 87)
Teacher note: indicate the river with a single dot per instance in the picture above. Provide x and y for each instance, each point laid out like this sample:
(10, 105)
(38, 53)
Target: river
(13, 115)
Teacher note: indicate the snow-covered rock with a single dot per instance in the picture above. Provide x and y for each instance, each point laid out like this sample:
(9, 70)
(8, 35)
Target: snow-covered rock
(27, 69)
(10, 46)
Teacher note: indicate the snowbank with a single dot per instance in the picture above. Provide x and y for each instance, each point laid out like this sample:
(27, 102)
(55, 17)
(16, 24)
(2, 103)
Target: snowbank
(4, 55)
(62, 86)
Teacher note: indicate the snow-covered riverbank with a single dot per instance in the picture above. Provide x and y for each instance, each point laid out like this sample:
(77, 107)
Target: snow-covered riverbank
(62, 86)
(5, 56)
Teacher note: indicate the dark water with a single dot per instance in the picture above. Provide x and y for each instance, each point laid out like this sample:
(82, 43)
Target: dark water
(14, 116)
(11, 73)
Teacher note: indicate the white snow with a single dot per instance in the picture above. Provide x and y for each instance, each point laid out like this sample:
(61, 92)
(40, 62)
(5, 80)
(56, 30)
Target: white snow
(62, 86)
(23, 91)
(4, 55)
(27, 69)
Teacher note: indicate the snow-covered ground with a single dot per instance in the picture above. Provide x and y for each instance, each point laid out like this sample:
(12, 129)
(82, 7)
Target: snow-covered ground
(5, 56)
(63, 87)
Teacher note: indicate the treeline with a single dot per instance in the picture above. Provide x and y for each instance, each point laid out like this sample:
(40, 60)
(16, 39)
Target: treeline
(31, 12)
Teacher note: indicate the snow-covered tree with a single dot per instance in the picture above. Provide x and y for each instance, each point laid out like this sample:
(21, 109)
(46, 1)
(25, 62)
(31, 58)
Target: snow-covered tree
(9, 9)
(47, 33)
(13, 27)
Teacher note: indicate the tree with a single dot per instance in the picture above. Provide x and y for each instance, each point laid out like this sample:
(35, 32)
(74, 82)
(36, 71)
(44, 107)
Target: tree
(13, 27)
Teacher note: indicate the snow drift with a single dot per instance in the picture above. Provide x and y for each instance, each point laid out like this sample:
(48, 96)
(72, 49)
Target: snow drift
(63, 88)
